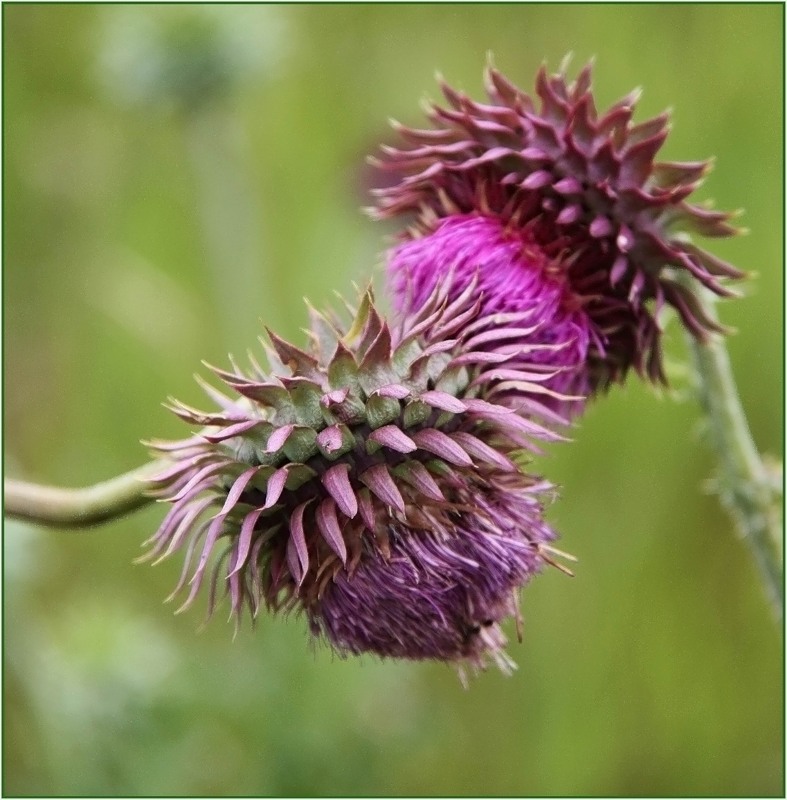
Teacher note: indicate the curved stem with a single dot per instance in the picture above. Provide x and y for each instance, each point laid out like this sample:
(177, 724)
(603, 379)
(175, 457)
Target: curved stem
(745, 487)
(78, 508)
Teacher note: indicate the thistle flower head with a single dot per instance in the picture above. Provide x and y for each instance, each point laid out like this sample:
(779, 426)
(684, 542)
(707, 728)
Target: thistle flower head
(371, 481)
(593, 226)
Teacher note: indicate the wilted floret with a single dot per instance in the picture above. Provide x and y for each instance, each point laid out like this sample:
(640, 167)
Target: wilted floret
(446, 576)
(372, 481)
(594, 226)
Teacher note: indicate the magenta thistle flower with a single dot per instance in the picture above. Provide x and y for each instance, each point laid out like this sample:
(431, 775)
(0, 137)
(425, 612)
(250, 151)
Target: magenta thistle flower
(371, 482)
(564, 213)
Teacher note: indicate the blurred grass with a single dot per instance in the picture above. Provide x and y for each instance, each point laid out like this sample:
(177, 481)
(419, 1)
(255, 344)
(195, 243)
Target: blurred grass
(656, 671)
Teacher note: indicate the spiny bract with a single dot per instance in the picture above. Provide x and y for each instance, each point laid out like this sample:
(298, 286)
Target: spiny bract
(372, 481)
(594, 227)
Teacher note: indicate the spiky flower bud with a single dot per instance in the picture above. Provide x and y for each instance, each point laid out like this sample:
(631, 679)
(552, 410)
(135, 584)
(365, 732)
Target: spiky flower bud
(371, 481)
(565, 212)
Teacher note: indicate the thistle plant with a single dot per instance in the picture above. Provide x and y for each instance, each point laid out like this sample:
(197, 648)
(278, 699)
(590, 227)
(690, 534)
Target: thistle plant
(370, 481)
(563, 211)
(378, 481)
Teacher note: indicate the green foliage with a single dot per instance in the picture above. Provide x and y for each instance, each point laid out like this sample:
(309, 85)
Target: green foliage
(140, 240)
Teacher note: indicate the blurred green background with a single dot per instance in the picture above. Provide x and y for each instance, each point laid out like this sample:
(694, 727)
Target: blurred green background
(174, 175)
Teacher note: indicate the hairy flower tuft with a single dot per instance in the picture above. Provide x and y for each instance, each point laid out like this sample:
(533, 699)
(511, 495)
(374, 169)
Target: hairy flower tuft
(560, 208)
(372, 481)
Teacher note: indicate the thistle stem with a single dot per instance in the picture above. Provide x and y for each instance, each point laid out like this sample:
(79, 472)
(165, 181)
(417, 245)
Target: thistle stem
(78, 508)
(231, 220)
(745, 487)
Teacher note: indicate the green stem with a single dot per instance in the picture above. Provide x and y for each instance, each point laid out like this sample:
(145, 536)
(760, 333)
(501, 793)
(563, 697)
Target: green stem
(746, 489)
(231, 220)
(78, 508)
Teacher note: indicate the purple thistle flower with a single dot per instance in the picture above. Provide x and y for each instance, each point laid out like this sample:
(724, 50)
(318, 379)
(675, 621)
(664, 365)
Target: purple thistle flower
(564, 213)
(446, 578)
(553, 331)
(372, 481)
